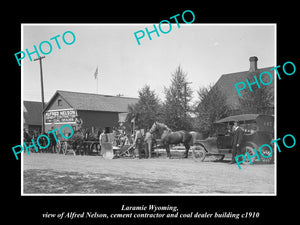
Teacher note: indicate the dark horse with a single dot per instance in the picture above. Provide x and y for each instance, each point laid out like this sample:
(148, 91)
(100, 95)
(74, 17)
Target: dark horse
(169, 137)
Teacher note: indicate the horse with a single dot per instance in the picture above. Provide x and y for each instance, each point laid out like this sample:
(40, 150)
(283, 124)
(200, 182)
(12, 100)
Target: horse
(169, 137)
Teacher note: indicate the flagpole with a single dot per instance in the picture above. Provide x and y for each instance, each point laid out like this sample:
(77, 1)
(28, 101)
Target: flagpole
(96, 77)
(97, 84)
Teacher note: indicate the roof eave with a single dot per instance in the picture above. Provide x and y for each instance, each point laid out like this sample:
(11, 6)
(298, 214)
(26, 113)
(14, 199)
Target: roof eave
(52, 99)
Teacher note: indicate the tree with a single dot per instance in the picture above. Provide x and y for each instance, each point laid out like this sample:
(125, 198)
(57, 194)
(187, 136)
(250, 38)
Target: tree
(176, 105)
(259, 100)
(147, 110)
(211, 106)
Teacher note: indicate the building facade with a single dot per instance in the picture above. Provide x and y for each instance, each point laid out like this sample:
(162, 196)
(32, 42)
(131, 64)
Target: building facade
(85, 110)
(32, 117)
(226, 84)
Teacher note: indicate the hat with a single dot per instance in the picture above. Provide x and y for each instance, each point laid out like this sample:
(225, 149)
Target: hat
(236, 121)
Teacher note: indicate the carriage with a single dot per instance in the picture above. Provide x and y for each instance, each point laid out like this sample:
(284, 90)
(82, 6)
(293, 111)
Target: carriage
(83, 143)
(86, 148)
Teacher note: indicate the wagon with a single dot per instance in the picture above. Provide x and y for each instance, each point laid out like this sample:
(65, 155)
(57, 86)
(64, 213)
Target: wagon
(257, 129)
(90, 148)
(86, 147)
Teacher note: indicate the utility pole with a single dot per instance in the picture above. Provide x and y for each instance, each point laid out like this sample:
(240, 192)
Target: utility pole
(42, 91)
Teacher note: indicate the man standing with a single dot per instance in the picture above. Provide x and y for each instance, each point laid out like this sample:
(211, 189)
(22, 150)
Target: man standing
(148, 141)
(236, 140)
(138, 141)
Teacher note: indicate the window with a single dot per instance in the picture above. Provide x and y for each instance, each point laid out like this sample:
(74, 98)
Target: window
(268, 124)
(250, 128)
(59, 102)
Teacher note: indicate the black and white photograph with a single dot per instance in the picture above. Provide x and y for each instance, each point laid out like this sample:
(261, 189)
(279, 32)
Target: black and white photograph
(137, 115)
(182, 114)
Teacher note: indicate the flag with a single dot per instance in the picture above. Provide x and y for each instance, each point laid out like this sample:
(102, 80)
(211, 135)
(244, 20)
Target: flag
(96, 73)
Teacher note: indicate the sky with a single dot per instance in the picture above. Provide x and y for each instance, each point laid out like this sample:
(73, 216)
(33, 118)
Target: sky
(204, 52)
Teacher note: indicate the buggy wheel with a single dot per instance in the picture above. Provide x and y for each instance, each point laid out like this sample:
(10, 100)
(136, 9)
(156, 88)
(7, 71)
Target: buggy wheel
(199, 153)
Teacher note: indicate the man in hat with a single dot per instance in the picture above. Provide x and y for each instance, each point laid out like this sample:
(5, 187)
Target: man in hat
(236, 140)
(148, 142)
(138, 141)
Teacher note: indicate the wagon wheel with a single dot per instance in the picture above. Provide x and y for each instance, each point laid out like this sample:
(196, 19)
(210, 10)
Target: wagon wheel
(93, 148)
(77, 149)
(85, 148)
(199, 153)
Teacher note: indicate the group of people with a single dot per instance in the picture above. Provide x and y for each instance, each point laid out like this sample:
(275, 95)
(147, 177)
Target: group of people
(141, 140)
(143, 143)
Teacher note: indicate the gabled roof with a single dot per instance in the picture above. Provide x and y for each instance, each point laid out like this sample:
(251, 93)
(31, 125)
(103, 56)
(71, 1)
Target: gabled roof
(32, 112)
(94, 102)
(227, 81)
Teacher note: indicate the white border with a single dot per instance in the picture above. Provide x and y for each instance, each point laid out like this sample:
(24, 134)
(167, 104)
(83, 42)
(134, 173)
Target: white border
(275, 111)
(135, 24)
(22, 115)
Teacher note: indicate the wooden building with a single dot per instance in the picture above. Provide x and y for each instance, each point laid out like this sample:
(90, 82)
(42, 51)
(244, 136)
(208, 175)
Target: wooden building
(85, 110)
(32, 117)
(227, 81)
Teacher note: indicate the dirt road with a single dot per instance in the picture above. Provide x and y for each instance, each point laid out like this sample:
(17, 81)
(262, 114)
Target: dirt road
(64, 174)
